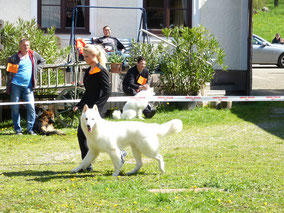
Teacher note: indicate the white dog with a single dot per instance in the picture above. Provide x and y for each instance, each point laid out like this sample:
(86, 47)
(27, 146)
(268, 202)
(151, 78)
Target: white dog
(112, 137)
(134, 107)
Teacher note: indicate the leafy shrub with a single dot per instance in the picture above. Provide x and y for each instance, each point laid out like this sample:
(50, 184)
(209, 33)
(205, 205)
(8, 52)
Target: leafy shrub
(152, 53)
(46, 44)
(191, 64)
(115, 58)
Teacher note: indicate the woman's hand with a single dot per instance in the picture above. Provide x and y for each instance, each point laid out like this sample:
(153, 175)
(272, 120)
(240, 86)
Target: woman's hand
(75, 109)
(144, 87)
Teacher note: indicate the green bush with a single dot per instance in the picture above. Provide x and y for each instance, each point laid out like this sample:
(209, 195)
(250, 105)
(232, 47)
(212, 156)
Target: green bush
(46, 44)
(258, 4)
(191, 64)
(152, 53)
(115, 58)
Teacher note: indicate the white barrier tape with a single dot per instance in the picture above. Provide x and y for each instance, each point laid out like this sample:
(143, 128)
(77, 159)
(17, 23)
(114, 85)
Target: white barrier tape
(164, 99)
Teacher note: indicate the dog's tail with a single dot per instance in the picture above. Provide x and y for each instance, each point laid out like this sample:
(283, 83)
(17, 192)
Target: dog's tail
(171, 127)
(116, 114)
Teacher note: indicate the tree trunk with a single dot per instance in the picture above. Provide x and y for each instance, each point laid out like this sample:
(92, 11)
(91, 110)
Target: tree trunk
(275, 3)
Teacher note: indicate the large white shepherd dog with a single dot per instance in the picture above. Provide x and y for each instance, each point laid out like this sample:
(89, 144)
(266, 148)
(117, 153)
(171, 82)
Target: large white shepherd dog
(112, 137)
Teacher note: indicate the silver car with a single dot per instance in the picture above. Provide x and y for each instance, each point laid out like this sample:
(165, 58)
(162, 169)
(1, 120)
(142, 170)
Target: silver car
(266, 53)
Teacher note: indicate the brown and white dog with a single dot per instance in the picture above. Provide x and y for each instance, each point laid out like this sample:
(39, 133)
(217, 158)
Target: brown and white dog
(44, 124)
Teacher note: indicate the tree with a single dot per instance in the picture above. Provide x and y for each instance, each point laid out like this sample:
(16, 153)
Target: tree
(275, 3)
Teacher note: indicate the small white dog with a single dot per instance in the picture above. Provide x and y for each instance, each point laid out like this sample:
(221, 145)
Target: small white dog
(112, 137)
(134, 107)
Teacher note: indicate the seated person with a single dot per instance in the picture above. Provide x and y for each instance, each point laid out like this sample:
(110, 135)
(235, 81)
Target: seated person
(277, 39)
(135, 80)
(110, 44)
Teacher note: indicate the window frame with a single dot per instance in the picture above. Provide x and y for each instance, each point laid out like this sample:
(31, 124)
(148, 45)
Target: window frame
(63, 29)
(166, 15)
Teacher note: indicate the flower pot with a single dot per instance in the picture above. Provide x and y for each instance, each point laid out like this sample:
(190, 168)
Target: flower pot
(115, 67)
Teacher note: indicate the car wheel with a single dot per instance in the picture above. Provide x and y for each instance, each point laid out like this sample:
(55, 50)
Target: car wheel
(281, 61)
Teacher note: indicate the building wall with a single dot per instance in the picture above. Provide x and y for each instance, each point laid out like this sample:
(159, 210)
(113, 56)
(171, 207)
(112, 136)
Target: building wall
(12, 10)
(231, 31)
(228, 21)
(124, 23)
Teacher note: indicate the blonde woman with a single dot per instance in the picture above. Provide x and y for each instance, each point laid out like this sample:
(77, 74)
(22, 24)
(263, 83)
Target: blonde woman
(98, 89)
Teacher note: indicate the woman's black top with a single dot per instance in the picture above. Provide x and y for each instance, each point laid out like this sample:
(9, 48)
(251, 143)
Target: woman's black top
(98, 88)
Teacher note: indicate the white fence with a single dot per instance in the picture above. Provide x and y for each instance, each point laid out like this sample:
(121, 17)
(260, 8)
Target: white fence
(52, 76)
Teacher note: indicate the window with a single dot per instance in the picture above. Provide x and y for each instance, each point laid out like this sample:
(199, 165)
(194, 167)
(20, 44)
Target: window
(58, 13)
(255, 41)
(167, 13)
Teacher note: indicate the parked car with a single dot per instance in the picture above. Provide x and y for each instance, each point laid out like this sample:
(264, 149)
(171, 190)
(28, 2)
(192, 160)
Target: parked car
(265, 52)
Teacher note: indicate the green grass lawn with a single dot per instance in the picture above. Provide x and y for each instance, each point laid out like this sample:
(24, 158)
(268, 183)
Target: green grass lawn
(223, 161)
(267, 24)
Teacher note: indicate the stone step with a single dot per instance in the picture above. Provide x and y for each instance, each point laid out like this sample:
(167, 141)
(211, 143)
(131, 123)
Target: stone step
(213, 92)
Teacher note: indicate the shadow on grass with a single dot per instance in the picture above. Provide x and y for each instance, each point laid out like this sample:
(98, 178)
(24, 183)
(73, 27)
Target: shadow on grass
(45, 176)
(268, 116)
(2, 133)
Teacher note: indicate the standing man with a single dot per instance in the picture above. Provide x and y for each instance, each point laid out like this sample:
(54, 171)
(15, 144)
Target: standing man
(110, 44)
(22, 71)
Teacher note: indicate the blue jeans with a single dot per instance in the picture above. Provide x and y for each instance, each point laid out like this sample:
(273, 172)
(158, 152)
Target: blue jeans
(27, 94)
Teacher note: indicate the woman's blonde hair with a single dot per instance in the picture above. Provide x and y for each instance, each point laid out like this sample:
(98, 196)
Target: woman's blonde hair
(98, 51)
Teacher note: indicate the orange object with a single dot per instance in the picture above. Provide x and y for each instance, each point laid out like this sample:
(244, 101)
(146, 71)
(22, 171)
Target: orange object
(12, 68)
(80, 43)
(94, 70)
(142, 80)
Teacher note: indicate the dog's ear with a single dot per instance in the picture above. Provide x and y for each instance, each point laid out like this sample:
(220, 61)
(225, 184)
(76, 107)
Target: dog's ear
(95, 108)
(85, 108)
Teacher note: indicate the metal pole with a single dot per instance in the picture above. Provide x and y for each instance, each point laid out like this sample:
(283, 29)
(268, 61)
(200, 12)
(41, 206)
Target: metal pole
(151, 34)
